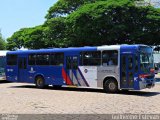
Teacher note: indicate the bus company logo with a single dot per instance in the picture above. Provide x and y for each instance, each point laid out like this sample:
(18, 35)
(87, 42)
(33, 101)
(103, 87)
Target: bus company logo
(32, 71)
(85, 70)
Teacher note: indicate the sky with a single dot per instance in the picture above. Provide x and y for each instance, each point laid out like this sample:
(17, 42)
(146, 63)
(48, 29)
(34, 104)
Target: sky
(17, 14)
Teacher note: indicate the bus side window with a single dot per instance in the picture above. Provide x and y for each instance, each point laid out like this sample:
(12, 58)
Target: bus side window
(109, 57)
(68, 63)
(75, 62)
(32, 59)
(11, 59)
(91, 58)
(42, 59)
(57, 59)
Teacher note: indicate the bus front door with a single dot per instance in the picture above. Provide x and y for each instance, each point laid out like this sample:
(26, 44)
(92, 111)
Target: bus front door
(22, 69)
(71, 68)
(127, 71)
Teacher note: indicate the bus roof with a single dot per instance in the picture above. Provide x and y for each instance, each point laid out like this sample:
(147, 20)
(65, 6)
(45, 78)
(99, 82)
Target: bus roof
(76, 49)
(70, 49)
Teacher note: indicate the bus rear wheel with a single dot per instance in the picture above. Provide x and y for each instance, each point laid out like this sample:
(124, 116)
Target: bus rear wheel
(40, 83)
(110, 86)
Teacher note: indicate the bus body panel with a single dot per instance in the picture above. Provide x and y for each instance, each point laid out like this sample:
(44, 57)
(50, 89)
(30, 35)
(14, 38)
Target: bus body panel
(72, 72)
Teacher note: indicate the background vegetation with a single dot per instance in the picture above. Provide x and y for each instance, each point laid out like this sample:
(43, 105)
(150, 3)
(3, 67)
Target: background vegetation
(2, 42)
(91, 23)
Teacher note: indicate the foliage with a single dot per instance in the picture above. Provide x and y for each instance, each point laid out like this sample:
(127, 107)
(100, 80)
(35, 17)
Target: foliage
(65, 7)
(2, 43)
(32, 38)
(93, 23)
(114, 23)
(55, 32)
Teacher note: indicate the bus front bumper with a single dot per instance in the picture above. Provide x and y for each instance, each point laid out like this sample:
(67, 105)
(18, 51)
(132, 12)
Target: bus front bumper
(150, 85)
(147, 83)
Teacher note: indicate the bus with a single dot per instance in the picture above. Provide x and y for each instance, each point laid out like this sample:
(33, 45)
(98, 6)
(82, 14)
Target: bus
(111, 67)
(2, 64)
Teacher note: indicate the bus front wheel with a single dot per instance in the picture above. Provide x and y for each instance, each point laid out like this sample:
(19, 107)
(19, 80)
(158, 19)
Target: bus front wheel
(110, 86)
(40, 83)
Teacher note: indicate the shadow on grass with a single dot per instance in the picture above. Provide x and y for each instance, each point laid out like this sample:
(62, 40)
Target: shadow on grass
(135, 93)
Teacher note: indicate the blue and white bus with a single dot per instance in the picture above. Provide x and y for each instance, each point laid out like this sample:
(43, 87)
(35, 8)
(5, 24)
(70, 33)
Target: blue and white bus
(115, 67)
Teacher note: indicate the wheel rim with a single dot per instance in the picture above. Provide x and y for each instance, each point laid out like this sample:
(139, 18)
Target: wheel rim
(112, 86)
(39, 82)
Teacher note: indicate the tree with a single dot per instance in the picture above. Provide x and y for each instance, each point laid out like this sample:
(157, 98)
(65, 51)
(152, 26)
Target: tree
(93, 23)
(64, 7)
(113, 22)
(2, 43)
(32, 38)
(16, 41)
(35, 38)
(55, 32)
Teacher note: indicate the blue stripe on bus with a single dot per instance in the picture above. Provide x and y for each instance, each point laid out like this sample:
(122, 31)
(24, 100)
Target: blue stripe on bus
(83, 77)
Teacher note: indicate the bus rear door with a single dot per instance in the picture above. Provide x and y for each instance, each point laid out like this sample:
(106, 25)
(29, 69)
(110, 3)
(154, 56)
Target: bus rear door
(22, 69)
(127, 69)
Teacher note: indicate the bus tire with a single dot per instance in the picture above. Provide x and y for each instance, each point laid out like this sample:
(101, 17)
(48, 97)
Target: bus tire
(110, 86)
(40, 83)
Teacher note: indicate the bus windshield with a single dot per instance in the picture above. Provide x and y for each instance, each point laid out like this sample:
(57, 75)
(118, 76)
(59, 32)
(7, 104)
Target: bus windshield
(146, 59)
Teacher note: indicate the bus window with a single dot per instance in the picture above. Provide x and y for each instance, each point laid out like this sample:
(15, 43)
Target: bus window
(91, 58)
(68, 63)
(42, 59)
(130, 62)
(57, 59)
(32, 59)
(109, 57)
(11, 59)
(75, 62)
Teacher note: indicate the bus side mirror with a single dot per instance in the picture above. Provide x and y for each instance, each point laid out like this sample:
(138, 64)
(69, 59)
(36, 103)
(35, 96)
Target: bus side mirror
(156, 68)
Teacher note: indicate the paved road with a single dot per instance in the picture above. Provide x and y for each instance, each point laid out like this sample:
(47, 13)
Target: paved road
(20, 98)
